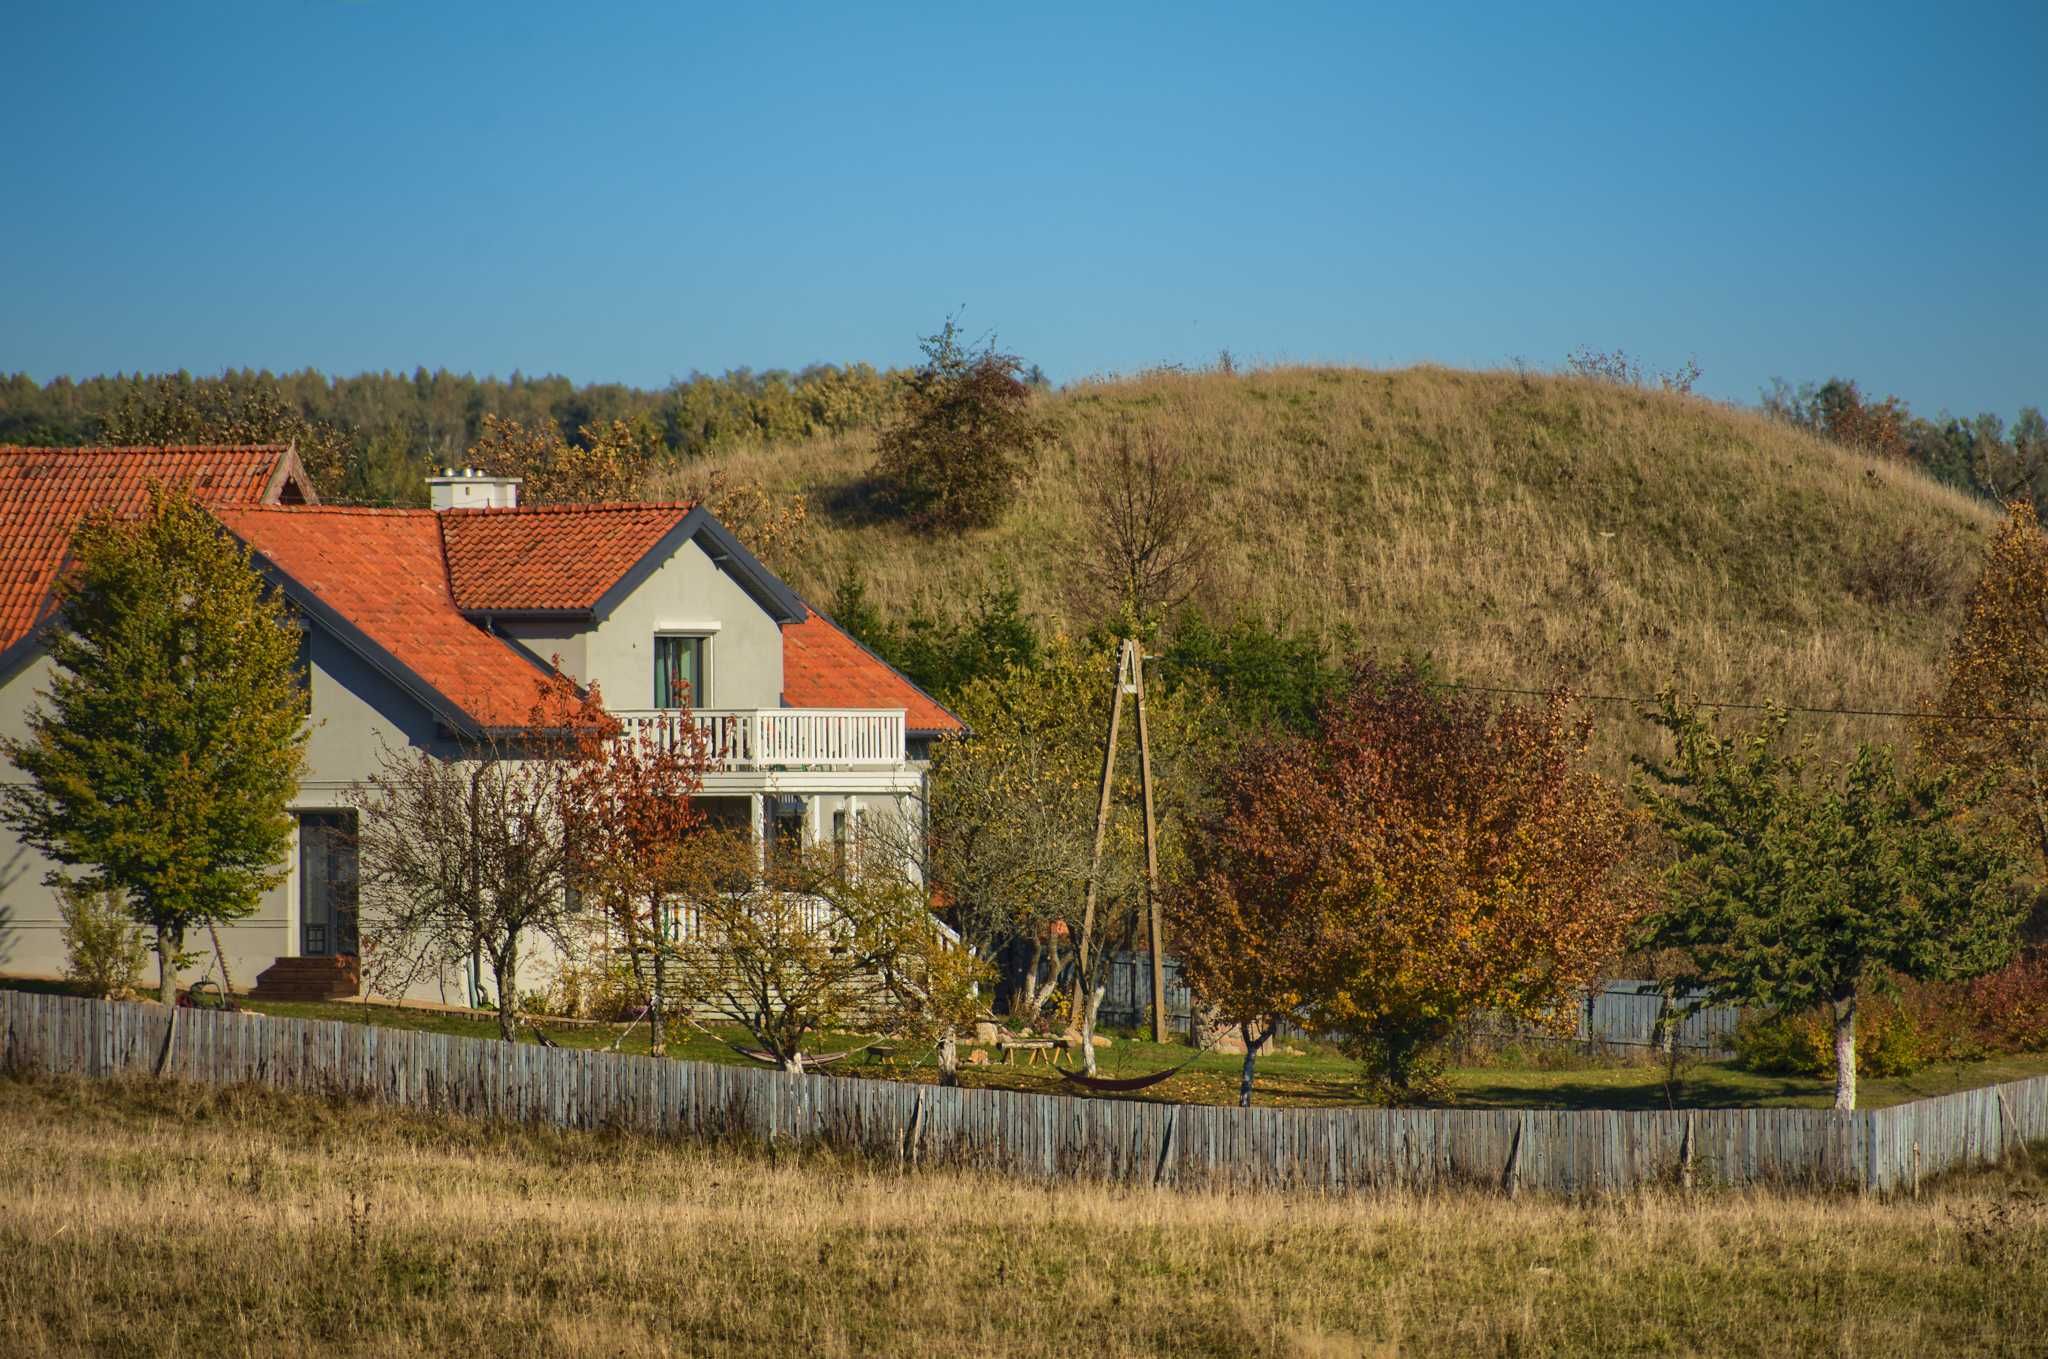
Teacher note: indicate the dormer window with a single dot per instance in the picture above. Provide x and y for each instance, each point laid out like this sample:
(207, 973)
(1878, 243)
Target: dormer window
(681, 670)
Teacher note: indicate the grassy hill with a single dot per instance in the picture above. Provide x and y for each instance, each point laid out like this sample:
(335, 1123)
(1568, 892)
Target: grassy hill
(1519, 528)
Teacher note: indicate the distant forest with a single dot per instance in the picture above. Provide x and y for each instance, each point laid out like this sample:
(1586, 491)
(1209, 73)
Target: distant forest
(378, 432)
(370, 438)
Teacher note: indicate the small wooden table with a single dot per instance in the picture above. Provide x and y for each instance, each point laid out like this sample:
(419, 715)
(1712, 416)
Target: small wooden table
(1056, 1048)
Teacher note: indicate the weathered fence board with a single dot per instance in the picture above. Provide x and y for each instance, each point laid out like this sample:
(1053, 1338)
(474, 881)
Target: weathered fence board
(1569, 1152)
(1621, 1013)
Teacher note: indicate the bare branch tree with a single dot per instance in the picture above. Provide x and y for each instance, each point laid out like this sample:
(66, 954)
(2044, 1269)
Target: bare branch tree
(790, 949)
(462, 858)
(1145, 518)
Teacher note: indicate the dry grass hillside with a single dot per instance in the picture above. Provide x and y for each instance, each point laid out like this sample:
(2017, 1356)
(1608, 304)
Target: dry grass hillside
(1520, 529)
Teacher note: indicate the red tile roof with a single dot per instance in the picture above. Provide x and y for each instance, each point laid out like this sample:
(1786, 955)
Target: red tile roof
(383, 572)
(549, 556)
(44, 492)
(403, 578)
(824, 667)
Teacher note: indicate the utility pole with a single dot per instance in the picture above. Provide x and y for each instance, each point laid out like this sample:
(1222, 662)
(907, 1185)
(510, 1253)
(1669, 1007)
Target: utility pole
(1130, 679)
(1083, 976)
(1152, 908)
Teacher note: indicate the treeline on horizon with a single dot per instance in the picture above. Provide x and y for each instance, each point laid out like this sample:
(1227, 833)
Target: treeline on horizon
(389, 427)
(385, 429)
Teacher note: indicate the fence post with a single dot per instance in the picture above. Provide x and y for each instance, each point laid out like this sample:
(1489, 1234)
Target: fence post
(1166, 1145)
(2005, 1116)
(911, 1132)
(1511, 1177)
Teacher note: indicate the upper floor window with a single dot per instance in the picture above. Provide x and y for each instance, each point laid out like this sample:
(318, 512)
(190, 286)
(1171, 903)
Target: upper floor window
(679, 671)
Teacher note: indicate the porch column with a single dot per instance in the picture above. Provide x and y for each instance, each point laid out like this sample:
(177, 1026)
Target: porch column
(759, 803)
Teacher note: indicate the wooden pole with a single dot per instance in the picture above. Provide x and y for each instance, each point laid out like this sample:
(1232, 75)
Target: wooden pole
(1081, 956)
(1152, 908)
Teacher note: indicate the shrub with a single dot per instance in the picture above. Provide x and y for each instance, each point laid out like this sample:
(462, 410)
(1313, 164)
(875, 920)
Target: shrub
(602, 988)
(1889, 1039)
(103, 945)
(1907, 571)
(2009, 1007)
(953, 459)
(1897, 1033)
(1782, 1043)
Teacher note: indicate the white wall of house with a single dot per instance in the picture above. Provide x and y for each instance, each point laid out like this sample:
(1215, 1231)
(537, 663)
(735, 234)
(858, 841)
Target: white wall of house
(688, 594)
(552, 642)
(356, 713)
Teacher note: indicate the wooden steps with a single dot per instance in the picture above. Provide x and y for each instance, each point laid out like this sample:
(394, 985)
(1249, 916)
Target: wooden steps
(326, 978)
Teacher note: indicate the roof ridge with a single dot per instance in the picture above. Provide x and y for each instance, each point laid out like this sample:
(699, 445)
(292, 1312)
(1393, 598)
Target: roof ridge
(580, 507)
(328, 509)
(144, 448)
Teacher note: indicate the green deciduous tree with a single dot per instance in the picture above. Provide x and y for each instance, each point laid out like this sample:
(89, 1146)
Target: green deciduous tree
(240, 408)
(175, 728)
(1796, 886)
(953, 457)
(944, 653)
(1012, 813)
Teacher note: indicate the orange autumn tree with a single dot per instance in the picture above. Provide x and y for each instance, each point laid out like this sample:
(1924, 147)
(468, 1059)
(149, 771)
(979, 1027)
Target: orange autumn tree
(1249, 934)
(629, 803)
(1997, 672)
(1425, 857)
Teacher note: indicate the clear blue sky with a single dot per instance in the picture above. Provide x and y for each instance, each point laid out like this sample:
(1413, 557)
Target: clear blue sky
(631, 194)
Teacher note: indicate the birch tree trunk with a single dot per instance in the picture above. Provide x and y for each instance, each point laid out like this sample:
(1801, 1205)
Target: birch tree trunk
(949, 1060)
(1845, 1048)
(1089, 1007)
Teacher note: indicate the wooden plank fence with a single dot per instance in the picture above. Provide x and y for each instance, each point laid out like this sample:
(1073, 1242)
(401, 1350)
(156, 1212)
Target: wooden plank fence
(1619, 1014)
(1333, 1150)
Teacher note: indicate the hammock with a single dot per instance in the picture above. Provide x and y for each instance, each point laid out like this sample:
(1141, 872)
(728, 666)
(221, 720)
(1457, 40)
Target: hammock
(1124, 1085)
(803, 1059)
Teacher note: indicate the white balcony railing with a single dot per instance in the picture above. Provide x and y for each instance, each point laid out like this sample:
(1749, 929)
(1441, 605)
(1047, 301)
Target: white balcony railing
(764, 738)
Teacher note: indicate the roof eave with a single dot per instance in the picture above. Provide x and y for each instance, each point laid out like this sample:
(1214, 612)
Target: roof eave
(443, 708)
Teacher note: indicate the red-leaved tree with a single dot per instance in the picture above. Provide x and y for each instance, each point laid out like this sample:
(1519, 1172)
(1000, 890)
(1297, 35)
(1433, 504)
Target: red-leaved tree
(629, 802)
(1426, 857)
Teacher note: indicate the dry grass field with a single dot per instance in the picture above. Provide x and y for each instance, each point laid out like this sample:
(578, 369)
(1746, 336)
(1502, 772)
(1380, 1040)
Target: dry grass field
(1522, 529)
(163, 1219)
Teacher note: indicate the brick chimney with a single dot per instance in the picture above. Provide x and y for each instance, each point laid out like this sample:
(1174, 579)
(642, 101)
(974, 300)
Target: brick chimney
(471, 488)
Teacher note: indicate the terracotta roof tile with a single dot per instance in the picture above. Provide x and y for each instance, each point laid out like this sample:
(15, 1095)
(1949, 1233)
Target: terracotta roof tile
(824, 667)
(45, 492)
(383, 571)
(548, 556)
(403, 578)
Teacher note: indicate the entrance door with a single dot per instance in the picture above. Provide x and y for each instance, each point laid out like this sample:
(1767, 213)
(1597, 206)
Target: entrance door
(327, 883)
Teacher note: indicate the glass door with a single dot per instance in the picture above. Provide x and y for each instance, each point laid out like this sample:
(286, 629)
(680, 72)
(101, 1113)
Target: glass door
(327, 883)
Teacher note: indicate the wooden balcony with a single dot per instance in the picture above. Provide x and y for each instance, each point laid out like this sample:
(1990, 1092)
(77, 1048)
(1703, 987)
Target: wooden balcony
(782, 738)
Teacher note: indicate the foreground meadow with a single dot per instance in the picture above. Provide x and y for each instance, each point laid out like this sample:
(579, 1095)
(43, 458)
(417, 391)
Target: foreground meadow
(166, 1219)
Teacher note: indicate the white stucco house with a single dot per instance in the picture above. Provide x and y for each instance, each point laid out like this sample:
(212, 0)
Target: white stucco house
(424, 627)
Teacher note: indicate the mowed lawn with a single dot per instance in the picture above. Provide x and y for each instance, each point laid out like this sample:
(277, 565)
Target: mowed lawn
(1302, 1074)
(157, 1218)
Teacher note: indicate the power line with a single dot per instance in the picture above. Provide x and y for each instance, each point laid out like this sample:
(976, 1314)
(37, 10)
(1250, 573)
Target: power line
(1747, 706)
